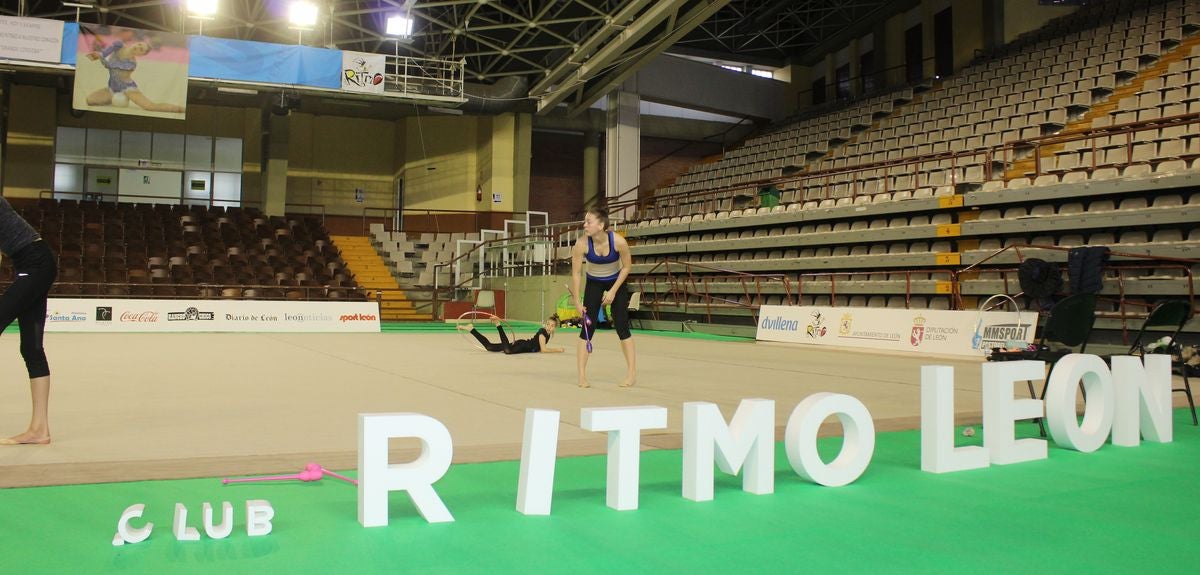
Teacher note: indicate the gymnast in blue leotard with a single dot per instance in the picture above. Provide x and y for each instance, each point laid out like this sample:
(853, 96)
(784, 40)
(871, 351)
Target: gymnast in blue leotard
(120, 59)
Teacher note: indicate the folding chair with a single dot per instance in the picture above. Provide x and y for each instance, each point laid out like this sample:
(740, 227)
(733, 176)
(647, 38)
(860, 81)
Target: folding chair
(485, 299)
(1068, 325)
(1168, 316)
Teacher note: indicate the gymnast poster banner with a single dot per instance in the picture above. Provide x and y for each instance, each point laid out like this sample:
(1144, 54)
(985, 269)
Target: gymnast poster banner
(128, 71)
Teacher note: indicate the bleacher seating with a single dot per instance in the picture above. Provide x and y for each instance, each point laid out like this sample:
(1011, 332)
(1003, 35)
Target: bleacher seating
(881, 214)
(413, 257)
(161, 250)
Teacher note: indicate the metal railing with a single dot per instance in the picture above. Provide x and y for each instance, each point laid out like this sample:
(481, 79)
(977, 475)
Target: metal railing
(393, 219)
(425, 78)
(1124, 272)
(118, 198)
(674, 284)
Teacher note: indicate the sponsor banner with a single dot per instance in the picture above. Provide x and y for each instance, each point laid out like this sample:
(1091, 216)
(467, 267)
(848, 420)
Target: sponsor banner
(924, 330)
(129, 71)
(31, 39)
(159, 315)
(362, 72)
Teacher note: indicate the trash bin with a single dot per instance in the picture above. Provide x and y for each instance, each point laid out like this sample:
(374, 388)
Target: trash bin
(768, 196)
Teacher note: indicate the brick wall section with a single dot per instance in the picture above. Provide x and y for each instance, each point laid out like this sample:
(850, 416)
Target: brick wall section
(556, 175)
(659, 174)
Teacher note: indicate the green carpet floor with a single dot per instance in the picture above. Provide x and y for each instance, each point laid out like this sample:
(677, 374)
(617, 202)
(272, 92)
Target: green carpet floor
(1118, 510)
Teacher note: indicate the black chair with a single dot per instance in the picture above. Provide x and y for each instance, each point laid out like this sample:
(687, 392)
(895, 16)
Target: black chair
(1168, 316)
(1068, 325)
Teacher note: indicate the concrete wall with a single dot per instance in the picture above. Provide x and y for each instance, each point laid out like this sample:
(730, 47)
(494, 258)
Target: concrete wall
(1021, 16)
(38, 112)
(330, 157)
(701, 86)
(974, 23)
(969, 30)
(489, 152)
(29, 161)
(556, 172)
(440, 163)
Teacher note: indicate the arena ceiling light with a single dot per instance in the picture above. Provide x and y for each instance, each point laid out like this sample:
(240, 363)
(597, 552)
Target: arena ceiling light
(399, 25)
(400, 28)
(302, 15)
(203, 9)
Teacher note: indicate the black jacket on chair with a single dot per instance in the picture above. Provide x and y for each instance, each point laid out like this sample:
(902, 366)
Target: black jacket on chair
(1085, 268)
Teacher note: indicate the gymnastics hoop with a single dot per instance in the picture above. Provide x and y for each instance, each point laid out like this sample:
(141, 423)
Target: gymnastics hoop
(471, 314)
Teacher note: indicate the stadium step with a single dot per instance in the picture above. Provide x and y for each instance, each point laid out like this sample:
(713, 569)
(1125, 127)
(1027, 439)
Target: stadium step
(371, 272)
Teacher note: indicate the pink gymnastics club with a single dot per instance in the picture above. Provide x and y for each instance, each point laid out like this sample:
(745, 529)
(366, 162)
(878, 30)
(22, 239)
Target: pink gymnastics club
(312, 472)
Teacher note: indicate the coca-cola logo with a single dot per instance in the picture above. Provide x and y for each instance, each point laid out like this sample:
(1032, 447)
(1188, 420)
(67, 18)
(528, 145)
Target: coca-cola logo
(140, 316)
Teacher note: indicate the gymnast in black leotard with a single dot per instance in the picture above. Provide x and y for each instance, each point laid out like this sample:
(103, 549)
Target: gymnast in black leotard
(535, 344)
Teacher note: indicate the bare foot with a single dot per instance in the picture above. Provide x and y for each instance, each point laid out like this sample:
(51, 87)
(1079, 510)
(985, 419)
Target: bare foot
(466, 326)
(26, 438)
(629, 381)
(495, 320)
(584, 383)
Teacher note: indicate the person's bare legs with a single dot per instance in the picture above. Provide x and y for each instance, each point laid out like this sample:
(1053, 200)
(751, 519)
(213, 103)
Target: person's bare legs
(630, 362)
(101, 97)
(145, 103)
(39, 423)
(581, 358)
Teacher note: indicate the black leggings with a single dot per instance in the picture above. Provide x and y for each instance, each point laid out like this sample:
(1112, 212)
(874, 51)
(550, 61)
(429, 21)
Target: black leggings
(502, 346)
(593, 295)
(25, 302)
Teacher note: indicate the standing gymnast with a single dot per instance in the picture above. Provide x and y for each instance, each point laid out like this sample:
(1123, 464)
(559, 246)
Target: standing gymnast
(535, 344)
(607, 255)
(25, 302)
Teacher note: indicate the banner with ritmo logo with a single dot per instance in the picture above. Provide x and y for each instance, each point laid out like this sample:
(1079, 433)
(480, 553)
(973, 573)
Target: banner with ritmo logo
(155, 315)
(914, 330)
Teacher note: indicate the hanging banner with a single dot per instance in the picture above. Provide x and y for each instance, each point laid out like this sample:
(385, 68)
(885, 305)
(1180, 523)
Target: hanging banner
(262, 62)
(127, 71)
(30, 39)
(363, 72)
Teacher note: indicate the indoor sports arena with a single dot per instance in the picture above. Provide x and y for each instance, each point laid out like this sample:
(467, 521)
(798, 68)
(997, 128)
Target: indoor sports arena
(842, 285)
